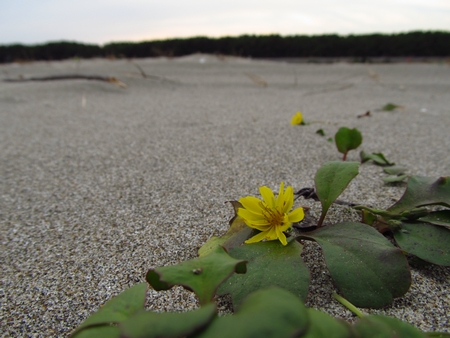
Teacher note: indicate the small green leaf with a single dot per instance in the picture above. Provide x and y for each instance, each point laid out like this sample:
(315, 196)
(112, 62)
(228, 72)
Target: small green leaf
(390, 107)
(394, 178)
(422, 191)
(368, 270)
(331, 180)
(320, 132)
(426, 241)
(395, 170)
(202, 275)
(347, 139)
(376, 326)
(160, 325)
(330, 139)
(323, 325)
(117, 309)
(415, 213)
(441, 217)
(273, 312)
(378, 158)
(269, 264)
(379, 212)
(368, 217)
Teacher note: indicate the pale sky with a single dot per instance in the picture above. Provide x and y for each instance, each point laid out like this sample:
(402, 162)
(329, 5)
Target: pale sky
(103, 21)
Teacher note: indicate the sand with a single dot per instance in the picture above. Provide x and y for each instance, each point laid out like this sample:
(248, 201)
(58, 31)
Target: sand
(100, 183)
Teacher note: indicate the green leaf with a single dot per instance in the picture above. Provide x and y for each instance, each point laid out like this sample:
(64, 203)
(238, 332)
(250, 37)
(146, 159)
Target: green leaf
(347, 139)
(394, 178)
(269, 264)
(324, 326)
(367, 269)
(273, 312)
(320, 132)
(390, 107)
(201, 275)
(210, 245)
(117, 309)
(441, 217)
(331, 180)
(426, 241)
(378, 158)
(422, 191)
(395, 170)
(159, 325)
(376, 326)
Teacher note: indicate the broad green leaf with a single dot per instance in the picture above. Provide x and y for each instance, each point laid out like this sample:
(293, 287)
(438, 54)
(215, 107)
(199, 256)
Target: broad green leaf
(269, 264)
(331, 180)
(117, 309)
(201, 275)
(323, 325)
(378, 158)
(376, 326)
(235, 236)
(272, 312)
(367, 269)
(347, 139)
(426, 241)
(395, 170)
(441, 217)
(394, 178)
(422, 191)
(160, 325)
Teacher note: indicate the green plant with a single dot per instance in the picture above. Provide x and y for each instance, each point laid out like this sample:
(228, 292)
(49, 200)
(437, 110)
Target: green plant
(347, 139)
(268, 280)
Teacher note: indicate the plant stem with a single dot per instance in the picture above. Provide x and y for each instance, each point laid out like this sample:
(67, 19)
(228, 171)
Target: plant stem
(322, 217)
(345, 157)
(348, 305)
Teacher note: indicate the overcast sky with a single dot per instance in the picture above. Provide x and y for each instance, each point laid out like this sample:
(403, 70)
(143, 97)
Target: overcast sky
(103, 21)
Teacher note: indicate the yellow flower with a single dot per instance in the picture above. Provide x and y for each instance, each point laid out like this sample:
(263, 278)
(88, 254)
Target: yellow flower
(271, 215)
(297, 119)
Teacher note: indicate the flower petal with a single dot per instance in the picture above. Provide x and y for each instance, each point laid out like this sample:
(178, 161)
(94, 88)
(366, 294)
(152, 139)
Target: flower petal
(286, 223)
(281, 236)
(250, 216)
(288, 201)
(271, 234)
(257, 238)
(297, 215)
(268, 196)
(280, 197)
(251, 204)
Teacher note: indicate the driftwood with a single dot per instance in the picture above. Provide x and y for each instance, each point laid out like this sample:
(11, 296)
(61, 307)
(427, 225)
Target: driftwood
(111, 80)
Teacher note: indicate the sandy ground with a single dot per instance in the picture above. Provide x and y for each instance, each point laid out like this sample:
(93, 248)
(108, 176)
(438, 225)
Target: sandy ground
(100, 183)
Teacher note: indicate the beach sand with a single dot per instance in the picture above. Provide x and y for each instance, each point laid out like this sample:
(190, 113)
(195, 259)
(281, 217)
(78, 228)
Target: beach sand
(100, 183)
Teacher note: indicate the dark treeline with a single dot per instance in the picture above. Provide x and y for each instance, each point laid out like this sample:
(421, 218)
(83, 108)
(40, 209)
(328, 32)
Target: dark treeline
(413, 44)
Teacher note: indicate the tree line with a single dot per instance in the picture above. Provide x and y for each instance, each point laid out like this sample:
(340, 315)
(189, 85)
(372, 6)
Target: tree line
(411, 44)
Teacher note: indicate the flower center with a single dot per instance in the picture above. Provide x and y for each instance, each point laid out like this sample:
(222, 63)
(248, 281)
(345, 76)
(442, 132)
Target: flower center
(273, 216)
